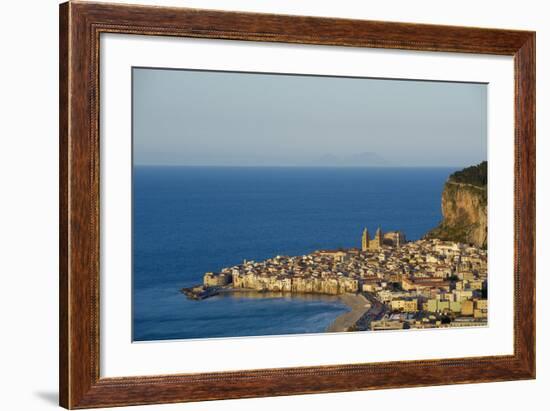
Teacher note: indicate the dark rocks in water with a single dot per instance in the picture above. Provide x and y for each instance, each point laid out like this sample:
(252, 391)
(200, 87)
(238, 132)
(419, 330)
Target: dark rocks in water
(200, 292)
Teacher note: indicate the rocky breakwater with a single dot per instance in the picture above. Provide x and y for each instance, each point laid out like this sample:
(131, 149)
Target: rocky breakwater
(200, 292)
(212, 285)
(464, 207)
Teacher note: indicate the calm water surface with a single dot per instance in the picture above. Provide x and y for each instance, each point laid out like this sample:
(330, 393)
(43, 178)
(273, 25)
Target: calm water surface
(189, 220)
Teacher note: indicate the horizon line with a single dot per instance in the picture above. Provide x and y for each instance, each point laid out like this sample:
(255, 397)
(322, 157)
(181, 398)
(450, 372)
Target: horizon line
(300, 166)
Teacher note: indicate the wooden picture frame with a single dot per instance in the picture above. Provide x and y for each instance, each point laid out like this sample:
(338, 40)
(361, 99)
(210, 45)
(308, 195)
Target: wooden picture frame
(80, 27)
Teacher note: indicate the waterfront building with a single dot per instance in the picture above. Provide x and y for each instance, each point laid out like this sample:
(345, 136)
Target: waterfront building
(456, 306)
(387, 325)
(405, 305)
(478, 313)
(217, 280)
(467, 308)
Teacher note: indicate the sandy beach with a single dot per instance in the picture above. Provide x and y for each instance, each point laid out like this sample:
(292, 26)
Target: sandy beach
(358, 304)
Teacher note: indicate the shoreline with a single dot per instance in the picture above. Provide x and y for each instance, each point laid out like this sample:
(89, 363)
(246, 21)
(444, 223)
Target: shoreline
(359, 305)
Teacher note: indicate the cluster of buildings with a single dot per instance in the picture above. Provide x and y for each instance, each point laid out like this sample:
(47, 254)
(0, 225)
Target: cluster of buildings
(421, 284)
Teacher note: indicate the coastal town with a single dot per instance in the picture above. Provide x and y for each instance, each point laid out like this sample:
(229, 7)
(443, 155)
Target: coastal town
(389, 283)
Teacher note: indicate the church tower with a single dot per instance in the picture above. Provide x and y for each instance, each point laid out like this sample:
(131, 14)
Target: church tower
(365, 240)
(378, 240)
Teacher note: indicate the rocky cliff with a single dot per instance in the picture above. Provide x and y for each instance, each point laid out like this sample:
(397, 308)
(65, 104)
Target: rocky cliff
(464, 207)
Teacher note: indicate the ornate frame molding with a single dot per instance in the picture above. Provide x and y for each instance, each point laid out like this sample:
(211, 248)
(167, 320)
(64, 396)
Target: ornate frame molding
(81, 24)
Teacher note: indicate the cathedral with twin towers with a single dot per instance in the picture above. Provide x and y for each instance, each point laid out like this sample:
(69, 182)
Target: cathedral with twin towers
(391, 238)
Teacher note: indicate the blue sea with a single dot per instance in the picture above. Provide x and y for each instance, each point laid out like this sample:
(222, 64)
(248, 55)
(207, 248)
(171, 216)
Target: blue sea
(190, 220)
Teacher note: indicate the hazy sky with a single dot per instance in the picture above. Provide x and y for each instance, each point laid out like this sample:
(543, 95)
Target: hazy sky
(214, 118)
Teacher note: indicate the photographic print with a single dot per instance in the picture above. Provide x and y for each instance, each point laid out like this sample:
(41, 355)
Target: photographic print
(277, 204)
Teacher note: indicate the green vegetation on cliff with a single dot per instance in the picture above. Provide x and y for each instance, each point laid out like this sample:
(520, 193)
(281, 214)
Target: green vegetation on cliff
(464, 207)
(474, 175)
